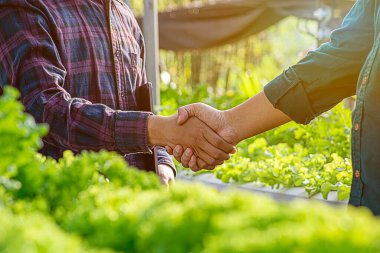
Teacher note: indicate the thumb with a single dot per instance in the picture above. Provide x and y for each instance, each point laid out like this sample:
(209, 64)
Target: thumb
(183, 114)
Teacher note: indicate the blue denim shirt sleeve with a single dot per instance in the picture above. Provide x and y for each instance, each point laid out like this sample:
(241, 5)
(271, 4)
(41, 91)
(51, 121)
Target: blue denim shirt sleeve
(330, 73)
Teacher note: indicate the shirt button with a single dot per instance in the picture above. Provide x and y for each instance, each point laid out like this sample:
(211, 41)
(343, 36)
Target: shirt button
(356, 127)
(357, 174)
(365, 80)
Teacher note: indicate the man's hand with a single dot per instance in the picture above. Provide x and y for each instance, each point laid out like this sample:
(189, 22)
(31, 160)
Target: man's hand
(194, 134)
(166, 175)
(188, 159)
(217, 120)
(248, 119)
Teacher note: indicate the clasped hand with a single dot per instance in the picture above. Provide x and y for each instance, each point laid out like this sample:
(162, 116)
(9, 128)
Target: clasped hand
(200, 137)
(220, 123)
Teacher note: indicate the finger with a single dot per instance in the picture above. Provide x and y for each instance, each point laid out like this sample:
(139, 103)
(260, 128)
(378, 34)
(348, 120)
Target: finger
(166, 175)
(164, 180)
(169, 150)
(201, 164)
(218, 163)
(206, 157)
(172, 180)
(178, 152)
(186, 157)
(193, 163)
(210, 168)
(218, 142)
(214, 152)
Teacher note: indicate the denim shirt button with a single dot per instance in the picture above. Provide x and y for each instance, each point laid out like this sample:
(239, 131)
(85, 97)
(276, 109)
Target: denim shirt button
(365, 80)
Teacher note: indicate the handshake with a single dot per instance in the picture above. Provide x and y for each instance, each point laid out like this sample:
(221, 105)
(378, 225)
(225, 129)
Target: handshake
(200, 137)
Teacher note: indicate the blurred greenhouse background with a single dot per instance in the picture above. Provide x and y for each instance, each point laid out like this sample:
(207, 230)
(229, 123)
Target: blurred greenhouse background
(314, 159)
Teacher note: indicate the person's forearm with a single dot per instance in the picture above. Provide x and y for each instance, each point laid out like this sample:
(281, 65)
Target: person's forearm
(255, 116)
(77, 124)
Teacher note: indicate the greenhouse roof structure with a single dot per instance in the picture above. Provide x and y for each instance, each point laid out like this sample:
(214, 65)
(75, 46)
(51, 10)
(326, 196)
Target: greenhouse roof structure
(202, 26)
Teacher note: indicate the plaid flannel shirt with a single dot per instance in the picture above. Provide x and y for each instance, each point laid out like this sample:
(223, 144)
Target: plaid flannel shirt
(77, 64)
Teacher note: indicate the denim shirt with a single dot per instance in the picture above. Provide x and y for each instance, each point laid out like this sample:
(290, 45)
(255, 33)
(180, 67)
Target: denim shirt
(345, 66)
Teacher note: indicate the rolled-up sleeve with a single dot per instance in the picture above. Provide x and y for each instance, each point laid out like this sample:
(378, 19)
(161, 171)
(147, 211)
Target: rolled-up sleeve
(329, 74)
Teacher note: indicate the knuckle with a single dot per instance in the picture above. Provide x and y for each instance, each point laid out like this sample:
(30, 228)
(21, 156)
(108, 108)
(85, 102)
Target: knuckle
(220, 156)
(219, 142)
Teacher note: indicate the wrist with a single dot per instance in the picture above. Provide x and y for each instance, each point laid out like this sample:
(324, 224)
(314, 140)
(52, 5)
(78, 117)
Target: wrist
(232, 120)
(155, 138)
(160, 130)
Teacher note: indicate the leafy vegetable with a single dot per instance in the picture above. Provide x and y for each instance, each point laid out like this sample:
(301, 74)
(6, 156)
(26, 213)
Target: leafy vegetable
(94, 202)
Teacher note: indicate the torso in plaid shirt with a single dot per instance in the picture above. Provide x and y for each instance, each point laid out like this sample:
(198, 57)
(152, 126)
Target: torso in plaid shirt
(77, 64)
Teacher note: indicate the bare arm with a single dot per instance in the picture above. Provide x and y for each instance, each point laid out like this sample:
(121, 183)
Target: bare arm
(255, 116)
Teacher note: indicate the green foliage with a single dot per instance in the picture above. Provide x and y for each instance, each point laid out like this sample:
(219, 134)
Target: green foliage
(34, 233)
(98, 204)
(89, 169)
(27, 175)
(315, 157)
(57, 185)
(194, 218)
(18, 133)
